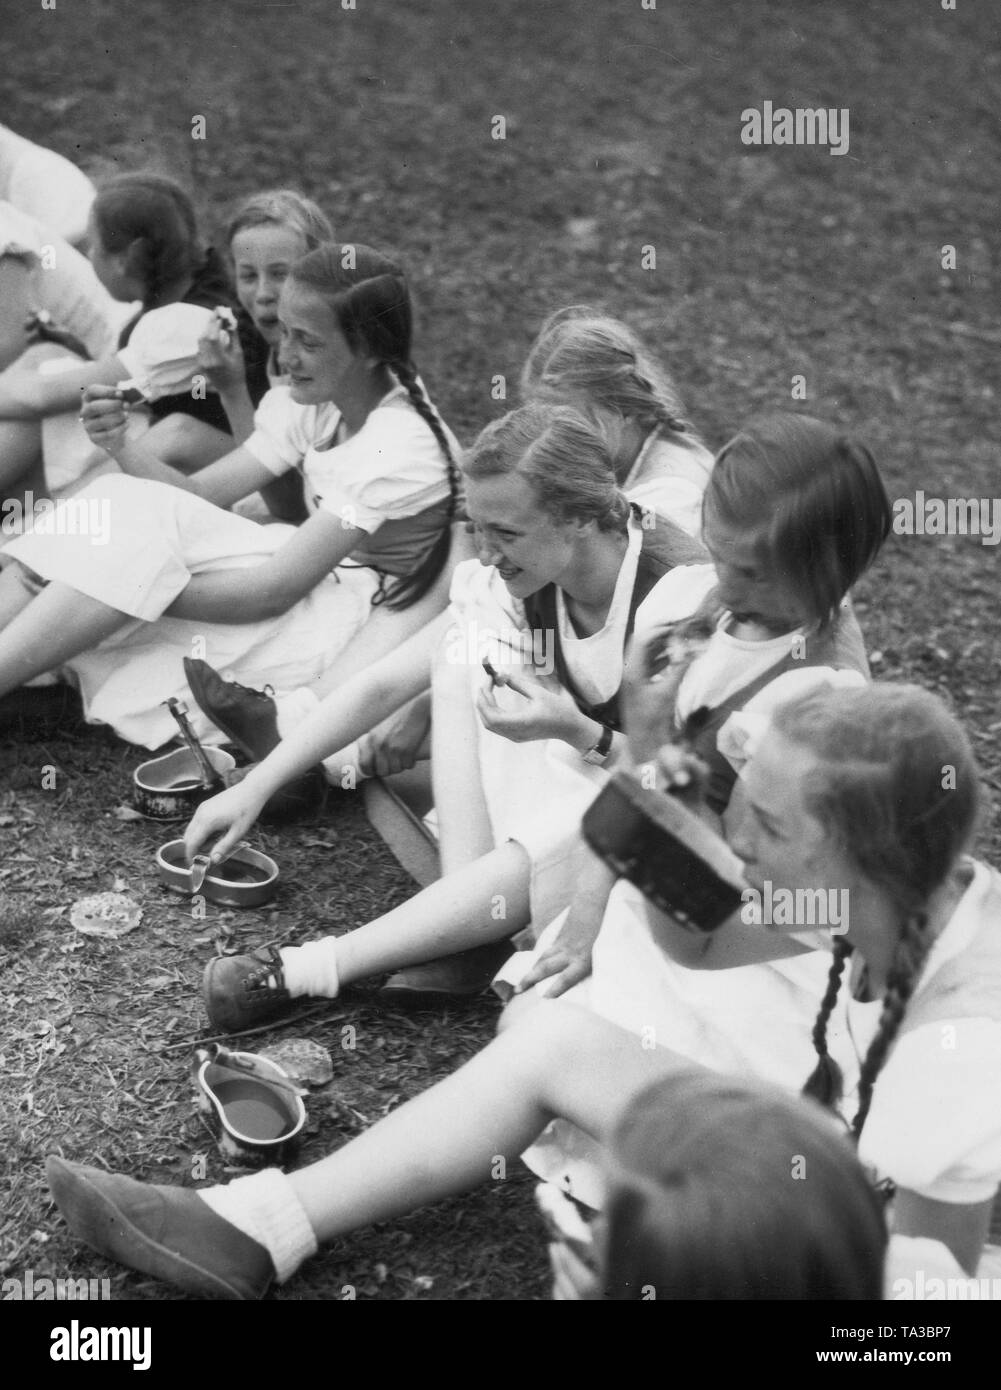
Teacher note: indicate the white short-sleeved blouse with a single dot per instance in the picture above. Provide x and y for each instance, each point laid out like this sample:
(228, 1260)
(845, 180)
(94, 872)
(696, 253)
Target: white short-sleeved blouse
(391, 469)
(934, 1125)
(162, 351)
(669, 475)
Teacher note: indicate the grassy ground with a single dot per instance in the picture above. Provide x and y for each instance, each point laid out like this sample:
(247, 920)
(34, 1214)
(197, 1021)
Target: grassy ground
(622, 133)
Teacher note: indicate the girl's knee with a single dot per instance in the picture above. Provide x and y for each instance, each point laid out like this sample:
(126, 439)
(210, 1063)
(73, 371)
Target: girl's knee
(25, 578)
(449, 669)
(172, 436)
(548, 1028)
(517, 1009)
(186, 443)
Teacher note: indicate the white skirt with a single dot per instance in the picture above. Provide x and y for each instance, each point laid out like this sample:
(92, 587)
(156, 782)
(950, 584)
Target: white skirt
(754, 1021)
(134, 545)
(535, 792)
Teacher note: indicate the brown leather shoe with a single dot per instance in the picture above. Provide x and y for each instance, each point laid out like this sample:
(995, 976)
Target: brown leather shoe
(241, 991)
(248, 718)
(168, 1232)
(453, 978)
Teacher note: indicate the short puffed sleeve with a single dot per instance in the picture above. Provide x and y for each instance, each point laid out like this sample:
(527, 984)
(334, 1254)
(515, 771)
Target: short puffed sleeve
(392, 468)
(934, 1124)
(743, 730)
(161, 355)
(675, 597)
(283, 430)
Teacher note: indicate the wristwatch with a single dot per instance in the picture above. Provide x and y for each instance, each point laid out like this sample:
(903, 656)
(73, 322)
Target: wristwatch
(597, 755)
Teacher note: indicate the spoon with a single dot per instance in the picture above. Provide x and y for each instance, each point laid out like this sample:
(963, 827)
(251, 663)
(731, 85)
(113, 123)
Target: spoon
(200, 866)
(211, 780)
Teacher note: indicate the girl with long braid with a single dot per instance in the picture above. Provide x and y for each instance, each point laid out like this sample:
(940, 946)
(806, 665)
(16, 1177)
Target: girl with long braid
(177, 575)
(870, 790)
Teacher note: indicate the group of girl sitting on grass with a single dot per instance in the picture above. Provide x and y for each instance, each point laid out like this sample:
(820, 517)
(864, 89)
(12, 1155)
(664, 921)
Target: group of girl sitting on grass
(577, 533)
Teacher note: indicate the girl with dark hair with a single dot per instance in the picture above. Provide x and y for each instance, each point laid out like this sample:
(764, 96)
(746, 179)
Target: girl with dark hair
(921, 1059)
(177, 575)
(144, 245)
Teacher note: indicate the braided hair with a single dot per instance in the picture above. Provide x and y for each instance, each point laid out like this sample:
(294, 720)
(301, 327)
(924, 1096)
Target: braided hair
(881, 792)
(369, 297)
(587, 359)
(825, 1083)
(905, 971)
(153, 219)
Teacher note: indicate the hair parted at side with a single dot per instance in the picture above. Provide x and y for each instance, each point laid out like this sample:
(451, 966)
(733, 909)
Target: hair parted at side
(370, 300)
(152, 216)
(815, 497)
(561, 454)
(281, 207)
(879, 791)
(705, 1200)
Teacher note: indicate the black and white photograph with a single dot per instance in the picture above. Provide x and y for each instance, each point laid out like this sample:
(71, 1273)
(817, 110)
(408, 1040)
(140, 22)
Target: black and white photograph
(499, 651)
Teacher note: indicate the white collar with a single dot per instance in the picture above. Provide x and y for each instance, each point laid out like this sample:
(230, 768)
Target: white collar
(622, 593)
(640, 458)
(965, 922)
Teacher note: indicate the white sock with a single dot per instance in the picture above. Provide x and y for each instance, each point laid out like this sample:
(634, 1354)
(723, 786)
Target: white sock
(342, 769)
(311, 970)
(292, 707)
(264, 1207)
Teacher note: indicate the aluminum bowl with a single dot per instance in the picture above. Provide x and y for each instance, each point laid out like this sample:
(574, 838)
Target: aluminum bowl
(254, 1107)
(170, 787)
(247, 878)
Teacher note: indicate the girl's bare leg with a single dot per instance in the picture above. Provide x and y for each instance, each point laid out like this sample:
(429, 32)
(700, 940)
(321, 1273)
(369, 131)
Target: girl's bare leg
(16, 592)
(483, 902)
(187, 444)
(46, 632)
(385, 630)
(20, 454)
(464, 830)
(562, 1061)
